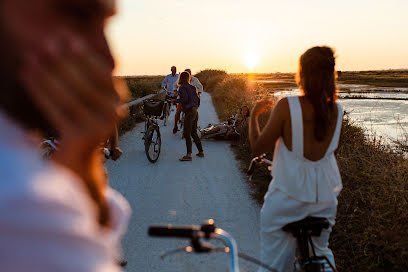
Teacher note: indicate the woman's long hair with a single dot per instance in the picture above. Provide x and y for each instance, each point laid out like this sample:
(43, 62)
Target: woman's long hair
(317, 80)
(184, 78)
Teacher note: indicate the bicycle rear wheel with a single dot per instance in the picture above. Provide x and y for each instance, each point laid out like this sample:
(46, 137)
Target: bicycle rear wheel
(166, 113)
(153, 143)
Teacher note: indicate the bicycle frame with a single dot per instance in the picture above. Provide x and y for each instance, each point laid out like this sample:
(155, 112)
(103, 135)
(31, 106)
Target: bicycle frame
(233, 249)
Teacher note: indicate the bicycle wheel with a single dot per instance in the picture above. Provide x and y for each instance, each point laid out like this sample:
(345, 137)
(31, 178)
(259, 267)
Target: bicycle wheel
(153, 143)
(166, 113)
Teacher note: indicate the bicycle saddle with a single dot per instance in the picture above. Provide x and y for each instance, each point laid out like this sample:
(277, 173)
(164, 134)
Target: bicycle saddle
(311, 225)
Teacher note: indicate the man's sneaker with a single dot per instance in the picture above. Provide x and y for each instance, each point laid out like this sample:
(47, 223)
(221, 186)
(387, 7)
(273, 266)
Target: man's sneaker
(186, 158)
(200, 154)
(175, 130)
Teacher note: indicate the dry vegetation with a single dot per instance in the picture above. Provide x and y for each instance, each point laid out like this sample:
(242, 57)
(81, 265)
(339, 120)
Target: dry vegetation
(372, 219)
(139, 86)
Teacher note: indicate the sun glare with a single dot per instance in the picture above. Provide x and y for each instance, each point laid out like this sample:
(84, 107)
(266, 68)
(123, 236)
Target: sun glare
(251, 59)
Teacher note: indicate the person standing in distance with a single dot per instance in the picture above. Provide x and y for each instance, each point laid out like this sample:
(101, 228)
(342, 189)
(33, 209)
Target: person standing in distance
(196, 83)
(170, 82)
(189, 101)
(199, 88)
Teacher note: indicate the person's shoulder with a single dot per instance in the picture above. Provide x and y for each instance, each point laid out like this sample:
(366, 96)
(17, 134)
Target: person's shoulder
(30, 182)
(282, 107)
(282, 103)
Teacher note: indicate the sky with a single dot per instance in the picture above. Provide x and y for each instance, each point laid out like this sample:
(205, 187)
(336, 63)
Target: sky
(259, 36)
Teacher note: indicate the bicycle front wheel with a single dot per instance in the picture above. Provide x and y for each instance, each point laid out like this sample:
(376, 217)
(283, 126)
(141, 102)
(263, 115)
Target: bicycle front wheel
(166, 114)
(153, 143)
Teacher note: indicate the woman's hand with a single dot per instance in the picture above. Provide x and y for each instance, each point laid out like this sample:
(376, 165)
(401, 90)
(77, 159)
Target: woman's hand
(261, 107)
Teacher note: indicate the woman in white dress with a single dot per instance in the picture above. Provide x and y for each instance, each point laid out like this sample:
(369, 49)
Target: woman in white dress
(305, 131)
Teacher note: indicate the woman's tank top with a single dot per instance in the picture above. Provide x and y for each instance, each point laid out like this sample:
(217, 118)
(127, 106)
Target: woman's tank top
(300, 178)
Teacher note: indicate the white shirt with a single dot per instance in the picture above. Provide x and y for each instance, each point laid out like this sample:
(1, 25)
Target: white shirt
(302, 179)
(47, 219)
(170, 82)
(197, 84)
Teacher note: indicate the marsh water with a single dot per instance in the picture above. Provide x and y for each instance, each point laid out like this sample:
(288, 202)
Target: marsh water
(382, 111)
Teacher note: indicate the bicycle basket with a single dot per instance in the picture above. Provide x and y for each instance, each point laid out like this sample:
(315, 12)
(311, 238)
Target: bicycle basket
(153, 107)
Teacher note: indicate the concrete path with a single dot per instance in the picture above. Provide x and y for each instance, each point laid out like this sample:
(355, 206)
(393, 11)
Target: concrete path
(173, 192)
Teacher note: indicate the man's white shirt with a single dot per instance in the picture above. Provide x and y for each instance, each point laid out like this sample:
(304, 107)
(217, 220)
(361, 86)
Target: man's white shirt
(170, 82)
(197, 84)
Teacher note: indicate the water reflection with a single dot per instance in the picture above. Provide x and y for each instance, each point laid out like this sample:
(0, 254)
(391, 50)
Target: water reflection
(380, 115)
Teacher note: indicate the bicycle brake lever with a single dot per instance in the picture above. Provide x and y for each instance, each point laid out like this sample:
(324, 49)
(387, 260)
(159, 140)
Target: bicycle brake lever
(202, 248)
(187, 249)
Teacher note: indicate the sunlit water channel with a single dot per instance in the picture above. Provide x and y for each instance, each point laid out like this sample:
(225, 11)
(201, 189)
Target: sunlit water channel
(382, 111)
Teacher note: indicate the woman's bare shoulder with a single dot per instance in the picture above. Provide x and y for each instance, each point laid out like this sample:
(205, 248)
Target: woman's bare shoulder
(282, 108)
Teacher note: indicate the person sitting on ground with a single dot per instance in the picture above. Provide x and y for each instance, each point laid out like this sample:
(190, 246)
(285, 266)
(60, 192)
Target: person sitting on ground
(56, 72)
(305, 131)
(189, 101)
(228, 130)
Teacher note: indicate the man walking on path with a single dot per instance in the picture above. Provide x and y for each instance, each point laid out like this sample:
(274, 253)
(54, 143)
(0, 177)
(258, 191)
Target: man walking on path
(189, 101)
(170, 82)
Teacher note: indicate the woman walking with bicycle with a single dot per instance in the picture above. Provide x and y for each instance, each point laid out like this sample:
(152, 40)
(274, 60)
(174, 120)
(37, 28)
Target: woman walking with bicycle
(305, 131)
(189, 101)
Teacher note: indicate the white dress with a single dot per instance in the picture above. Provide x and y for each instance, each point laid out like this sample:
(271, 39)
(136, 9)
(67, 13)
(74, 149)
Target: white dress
(48, 221)
(299, 188)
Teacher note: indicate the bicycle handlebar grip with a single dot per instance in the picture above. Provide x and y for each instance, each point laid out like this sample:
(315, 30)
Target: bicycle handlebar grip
(170, 231)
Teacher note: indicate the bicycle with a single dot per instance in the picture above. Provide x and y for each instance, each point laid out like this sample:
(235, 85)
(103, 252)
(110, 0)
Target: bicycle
(48, 147)
(152, 109)
(218, 131)
(166, 109)
(302, 230)
(206, 231)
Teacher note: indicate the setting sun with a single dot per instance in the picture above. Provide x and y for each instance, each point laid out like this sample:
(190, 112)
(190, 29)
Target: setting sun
(251, 59)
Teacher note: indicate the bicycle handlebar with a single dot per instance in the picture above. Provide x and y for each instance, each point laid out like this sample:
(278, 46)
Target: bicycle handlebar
(170, 231)
(207, 231)
(260, 159)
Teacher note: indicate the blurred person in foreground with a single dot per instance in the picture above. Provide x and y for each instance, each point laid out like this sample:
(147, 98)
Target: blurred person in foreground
(56, 72)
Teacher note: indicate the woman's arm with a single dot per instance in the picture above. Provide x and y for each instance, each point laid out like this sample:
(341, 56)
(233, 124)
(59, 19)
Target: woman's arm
(262, 142)
(183, 96)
